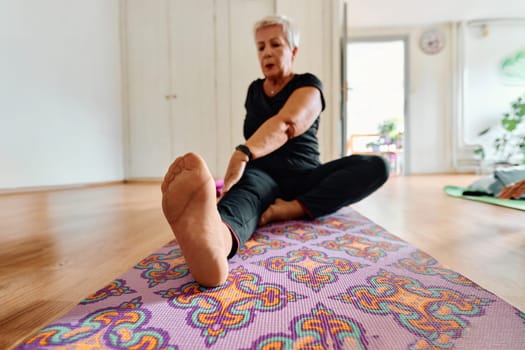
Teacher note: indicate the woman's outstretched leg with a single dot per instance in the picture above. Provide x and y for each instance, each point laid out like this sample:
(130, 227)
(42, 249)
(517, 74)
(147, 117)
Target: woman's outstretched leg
(243, 205)
(189, 205)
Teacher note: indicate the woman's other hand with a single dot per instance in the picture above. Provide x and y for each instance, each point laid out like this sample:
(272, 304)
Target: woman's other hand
(234, 171)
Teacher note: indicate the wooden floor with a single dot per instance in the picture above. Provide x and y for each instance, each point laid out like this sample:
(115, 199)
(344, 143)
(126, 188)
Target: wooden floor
(58, 247)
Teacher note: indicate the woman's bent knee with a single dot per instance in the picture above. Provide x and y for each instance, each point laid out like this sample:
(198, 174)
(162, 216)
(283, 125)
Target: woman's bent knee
(382, 168)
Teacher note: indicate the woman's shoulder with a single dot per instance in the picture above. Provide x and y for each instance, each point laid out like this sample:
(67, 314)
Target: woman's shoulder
(308, 79)
(256, 84)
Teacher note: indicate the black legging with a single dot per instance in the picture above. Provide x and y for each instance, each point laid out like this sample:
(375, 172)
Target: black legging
(320, 191)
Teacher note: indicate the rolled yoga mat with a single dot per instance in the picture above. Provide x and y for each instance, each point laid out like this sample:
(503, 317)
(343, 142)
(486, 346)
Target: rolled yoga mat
(456, 191)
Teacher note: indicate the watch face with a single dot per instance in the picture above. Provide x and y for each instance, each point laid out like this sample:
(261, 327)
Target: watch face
(432, 41)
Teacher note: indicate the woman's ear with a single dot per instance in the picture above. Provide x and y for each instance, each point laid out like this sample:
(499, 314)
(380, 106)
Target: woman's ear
(294, 52)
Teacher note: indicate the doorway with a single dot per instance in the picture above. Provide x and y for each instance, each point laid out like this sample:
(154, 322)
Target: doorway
(377, 75)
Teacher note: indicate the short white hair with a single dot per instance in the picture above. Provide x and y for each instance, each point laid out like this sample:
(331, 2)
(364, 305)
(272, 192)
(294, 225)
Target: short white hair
(289, 29)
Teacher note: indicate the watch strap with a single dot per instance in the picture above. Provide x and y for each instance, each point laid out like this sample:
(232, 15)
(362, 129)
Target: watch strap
(244, 149)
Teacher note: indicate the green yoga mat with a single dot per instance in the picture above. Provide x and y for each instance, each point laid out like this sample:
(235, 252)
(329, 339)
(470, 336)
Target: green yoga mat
(456, 191)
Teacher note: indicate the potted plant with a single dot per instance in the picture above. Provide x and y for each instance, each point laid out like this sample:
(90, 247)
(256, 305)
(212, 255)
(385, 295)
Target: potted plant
(389, 137)
(508, 143)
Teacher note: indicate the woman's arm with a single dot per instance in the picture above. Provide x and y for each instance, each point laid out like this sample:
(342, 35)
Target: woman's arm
(297, 115)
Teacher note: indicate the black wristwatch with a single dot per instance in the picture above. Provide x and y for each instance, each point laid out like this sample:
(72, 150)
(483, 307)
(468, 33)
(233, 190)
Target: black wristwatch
(244, 149)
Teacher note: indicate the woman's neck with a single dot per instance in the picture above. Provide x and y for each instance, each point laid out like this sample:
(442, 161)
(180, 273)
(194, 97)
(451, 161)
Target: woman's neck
(273, 86)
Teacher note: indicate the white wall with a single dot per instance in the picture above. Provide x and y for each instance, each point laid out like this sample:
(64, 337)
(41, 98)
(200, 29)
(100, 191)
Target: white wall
(60, 93)
(488, 92)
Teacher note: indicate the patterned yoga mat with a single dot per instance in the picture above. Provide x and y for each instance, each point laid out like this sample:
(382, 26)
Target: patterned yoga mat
(341, 282)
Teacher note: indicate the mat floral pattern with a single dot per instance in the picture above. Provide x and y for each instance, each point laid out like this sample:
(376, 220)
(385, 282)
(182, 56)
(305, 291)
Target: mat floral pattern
(340, 282)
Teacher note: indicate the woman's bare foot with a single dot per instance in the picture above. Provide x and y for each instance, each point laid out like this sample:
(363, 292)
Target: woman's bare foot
(282, 210)
(189, 205)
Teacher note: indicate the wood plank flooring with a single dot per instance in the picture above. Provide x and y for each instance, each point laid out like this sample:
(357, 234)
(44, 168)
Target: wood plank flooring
(57, 247)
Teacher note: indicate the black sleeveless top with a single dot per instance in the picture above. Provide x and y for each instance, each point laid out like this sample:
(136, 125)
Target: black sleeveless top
(298, 154)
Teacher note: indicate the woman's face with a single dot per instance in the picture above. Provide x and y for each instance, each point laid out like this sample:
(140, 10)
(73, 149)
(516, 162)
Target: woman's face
(275, 55)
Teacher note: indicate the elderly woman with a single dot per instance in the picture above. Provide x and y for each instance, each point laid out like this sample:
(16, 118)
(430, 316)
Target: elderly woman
(275, 175)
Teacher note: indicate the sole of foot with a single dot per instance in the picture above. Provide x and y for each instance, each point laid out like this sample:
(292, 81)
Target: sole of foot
(189, 205)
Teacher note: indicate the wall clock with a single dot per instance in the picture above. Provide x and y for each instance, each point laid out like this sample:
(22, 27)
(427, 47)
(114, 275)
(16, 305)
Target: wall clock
(432, 41)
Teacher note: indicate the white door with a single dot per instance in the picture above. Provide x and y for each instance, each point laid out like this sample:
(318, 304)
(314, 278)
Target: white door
(189, 64)
(171, 83)
(148, 83)
(192, 61)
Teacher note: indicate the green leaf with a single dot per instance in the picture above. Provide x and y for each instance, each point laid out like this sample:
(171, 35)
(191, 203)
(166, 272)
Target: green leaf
(520, 110)
(509, 124)
(480, 152)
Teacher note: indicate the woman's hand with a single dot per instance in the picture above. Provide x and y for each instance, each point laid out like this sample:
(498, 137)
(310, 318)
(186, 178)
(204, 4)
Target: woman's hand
(234, 171)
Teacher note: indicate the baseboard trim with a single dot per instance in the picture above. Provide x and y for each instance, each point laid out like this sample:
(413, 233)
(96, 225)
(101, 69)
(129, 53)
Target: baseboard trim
(20, 190)
(145, 180)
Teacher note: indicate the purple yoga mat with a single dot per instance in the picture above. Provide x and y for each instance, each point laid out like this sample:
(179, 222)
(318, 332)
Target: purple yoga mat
(340, 282)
